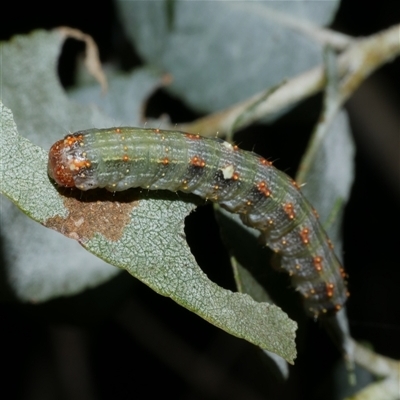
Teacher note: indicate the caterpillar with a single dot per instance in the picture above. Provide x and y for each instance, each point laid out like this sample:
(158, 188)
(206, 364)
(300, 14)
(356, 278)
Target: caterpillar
(240, 181)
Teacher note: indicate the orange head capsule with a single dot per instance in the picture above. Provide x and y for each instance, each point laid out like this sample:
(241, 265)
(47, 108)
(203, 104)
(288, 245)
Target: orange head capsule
(58, 166)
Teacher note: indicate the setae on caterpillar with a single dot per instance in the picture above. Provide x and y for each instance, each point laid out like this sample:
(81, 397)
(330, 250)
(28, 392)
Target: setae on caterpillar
(240, 181)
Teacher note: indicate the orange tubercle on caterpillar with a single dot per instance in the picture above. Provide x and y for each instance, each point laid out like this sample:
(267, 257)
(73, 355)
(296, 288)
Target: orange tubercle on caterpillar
(197, 162)
(192, 136)
(289, 210)
(329, 289)
(263, 188)
(265, 162)
(317, 261)
(235, 176)
(305, 235)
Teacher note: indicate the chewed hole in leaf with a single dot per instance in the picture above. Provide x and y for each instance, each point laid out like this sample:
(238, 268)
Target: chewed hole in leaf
(204, 239)
(72, 50)
(161, 104)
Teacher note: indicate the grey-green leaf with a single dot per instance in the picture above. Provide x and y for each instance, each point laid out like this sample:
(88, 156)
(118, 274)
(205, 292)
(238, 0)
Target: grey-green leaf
(152, 248)
(221, 52)
(329, 179)
(149, 243)
(43, 113)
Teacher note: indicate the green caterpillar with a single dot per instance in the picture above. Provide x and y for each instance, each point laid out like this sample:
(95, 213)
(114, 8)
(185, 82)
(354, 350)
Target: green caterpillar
(240, 181)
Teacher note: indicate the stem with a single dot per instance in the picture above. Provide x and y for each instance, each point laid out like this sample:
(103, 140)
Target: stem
(375, 363)
(354, 65)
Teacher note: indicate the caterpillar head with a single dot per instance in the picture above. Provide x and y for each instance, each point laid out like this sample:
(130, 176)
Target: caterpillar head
(68, 162)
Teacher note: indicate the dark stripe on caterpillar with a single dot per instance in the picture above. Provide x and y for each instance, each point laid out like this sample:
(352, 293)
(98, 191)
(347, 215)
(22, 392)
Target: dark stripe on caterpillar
(240, 181)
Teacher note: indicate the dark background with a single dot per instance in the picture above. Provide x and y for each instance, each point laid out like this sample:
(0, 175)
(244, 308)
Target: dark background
(122, 340)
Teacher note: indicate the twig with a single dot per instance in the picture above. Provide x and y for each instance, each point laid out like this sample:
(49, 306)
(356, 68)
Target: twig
(375, 363)
(383, 367)
(354, 65)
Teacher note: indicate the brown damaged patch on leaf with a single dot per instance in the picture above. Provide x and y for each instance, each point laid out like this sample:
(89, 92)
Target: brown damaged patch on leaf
(97, 211)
